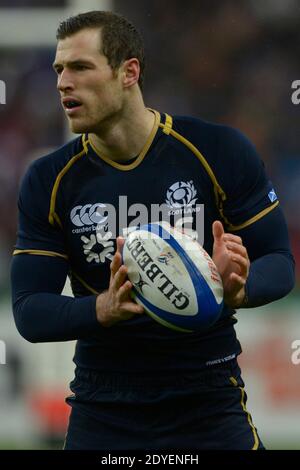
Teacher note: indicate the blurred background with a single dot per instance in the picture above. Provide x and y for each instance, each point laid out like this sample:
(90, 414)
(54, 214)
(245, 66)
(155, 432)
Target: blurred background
(230, 62)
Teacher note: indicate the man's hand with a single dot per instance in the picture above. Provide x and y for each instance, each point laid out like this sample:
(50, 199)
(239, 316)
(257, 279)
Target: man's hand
(231, 258)
(115, 304)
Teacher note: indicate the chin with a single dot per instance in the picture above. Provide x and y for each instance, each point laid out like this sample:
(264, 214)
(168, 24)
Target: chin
(78, 128)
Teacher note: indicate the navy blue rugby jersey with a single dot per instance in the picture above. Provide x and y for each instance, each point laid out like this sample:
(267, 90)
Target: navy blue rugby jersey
(66, 202)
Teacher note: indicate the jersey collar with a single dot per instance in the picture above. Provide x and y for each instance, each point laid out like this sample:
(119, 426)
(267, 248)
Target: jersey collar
(86, 143)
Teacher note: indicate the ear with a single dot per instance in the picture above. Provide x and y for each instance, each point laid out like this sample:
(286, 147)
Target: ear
(131, 72)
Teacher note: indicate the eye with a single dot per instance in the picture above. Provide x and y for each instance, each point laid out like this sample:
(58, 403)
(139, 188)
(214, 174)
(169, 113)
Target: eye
(81, 67)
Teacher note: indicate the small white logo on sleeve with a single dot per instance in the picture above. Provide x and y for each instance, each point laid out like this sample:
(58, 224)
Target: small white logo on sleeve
(272, 195)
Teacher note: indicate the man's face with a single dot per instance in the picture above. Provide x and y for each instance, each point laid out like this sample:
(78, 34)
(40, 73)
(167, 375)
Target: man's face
(91, 92)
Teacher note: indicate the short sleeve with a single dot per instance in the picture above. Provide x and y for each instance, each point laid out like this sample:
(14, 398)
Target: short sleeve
(35, 233)
(249, 192)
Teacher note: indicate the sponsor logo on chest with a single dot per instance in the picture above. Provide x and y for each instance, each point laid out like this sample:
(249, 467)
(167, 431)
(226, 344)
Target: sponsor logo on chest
(98, 223)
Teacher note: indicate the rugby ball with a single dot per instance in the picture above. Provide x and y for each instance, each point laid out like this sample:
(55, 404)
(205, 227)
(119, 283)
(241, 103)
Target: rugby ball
(173, 277)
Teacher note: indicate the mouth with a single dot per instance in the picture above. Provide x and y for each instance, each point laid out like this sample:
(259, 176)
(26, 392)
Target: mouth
(71, 105)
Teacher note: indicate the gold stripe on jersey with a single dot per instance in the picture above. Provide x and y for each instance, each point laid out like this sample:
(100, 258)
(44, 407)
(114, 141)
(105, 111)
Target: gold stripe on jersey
(142, 154)
(249, 419)
(91, 289)
(40, 252)
(218, 190)
(220, 195)
(84, 143)
(253, 219)
(53, 217)
(57, 219)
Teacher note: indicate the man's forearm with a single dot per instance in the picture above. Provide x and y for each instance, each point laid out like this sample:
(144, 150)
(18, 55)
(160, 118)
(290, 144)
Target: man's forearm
(41, 313)
(271, 277)
(44, 317)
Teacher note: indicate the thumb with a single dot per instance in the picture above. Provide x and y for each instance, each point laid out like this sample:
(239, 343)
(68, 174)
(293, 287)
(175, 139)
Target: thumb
(120, 244)
(217, 230)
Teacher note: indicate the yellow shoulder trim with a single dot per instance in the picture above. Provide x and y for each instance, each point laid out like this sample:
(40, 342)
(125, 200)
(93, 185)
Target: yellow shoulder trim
(140, 157)
(53, 217)
(40, 252)
(253, 219)
(219, 193)
(85, 284)
(167, 126)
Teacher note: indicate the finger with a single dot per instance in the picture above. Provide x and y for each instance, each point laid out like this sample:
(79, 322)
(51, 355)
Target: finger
(116, 262)
(125, 296)
(236, 248)
(237, 281)
(242, 262)
(124, 291)
(133, 307)
(234, 238)
(120, 244)
(115, 266)
(217, 230)
(119, 278)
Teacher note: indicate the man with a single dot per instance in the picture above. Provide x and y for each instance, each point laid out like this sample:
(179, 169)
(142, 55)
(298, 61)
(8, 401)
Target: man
(137, 384)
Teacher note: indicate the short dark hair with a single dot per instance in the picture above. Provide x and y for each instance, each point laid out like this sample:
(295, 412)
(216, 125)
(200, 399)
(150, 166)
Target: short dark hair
(120, 39)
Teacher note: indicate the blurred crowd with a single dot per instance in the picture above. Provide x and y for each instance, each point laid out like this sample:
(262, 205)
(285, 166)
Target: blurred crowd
(229, 62)
(31, 124)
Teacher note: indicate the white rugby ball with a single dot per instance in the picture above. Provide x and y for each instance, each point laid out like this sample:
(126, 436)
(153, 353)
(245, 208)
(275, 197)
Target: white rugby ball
(173, 277)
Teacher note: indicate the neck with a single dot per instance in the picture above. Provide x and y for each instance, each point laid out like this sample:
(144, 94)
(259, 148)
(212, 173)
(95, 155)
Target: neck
(126, 135)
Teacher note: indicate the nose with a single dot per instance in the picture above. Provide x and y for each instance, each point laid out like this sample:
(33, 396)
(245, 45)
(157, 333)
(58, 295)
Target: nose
(64, 81)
